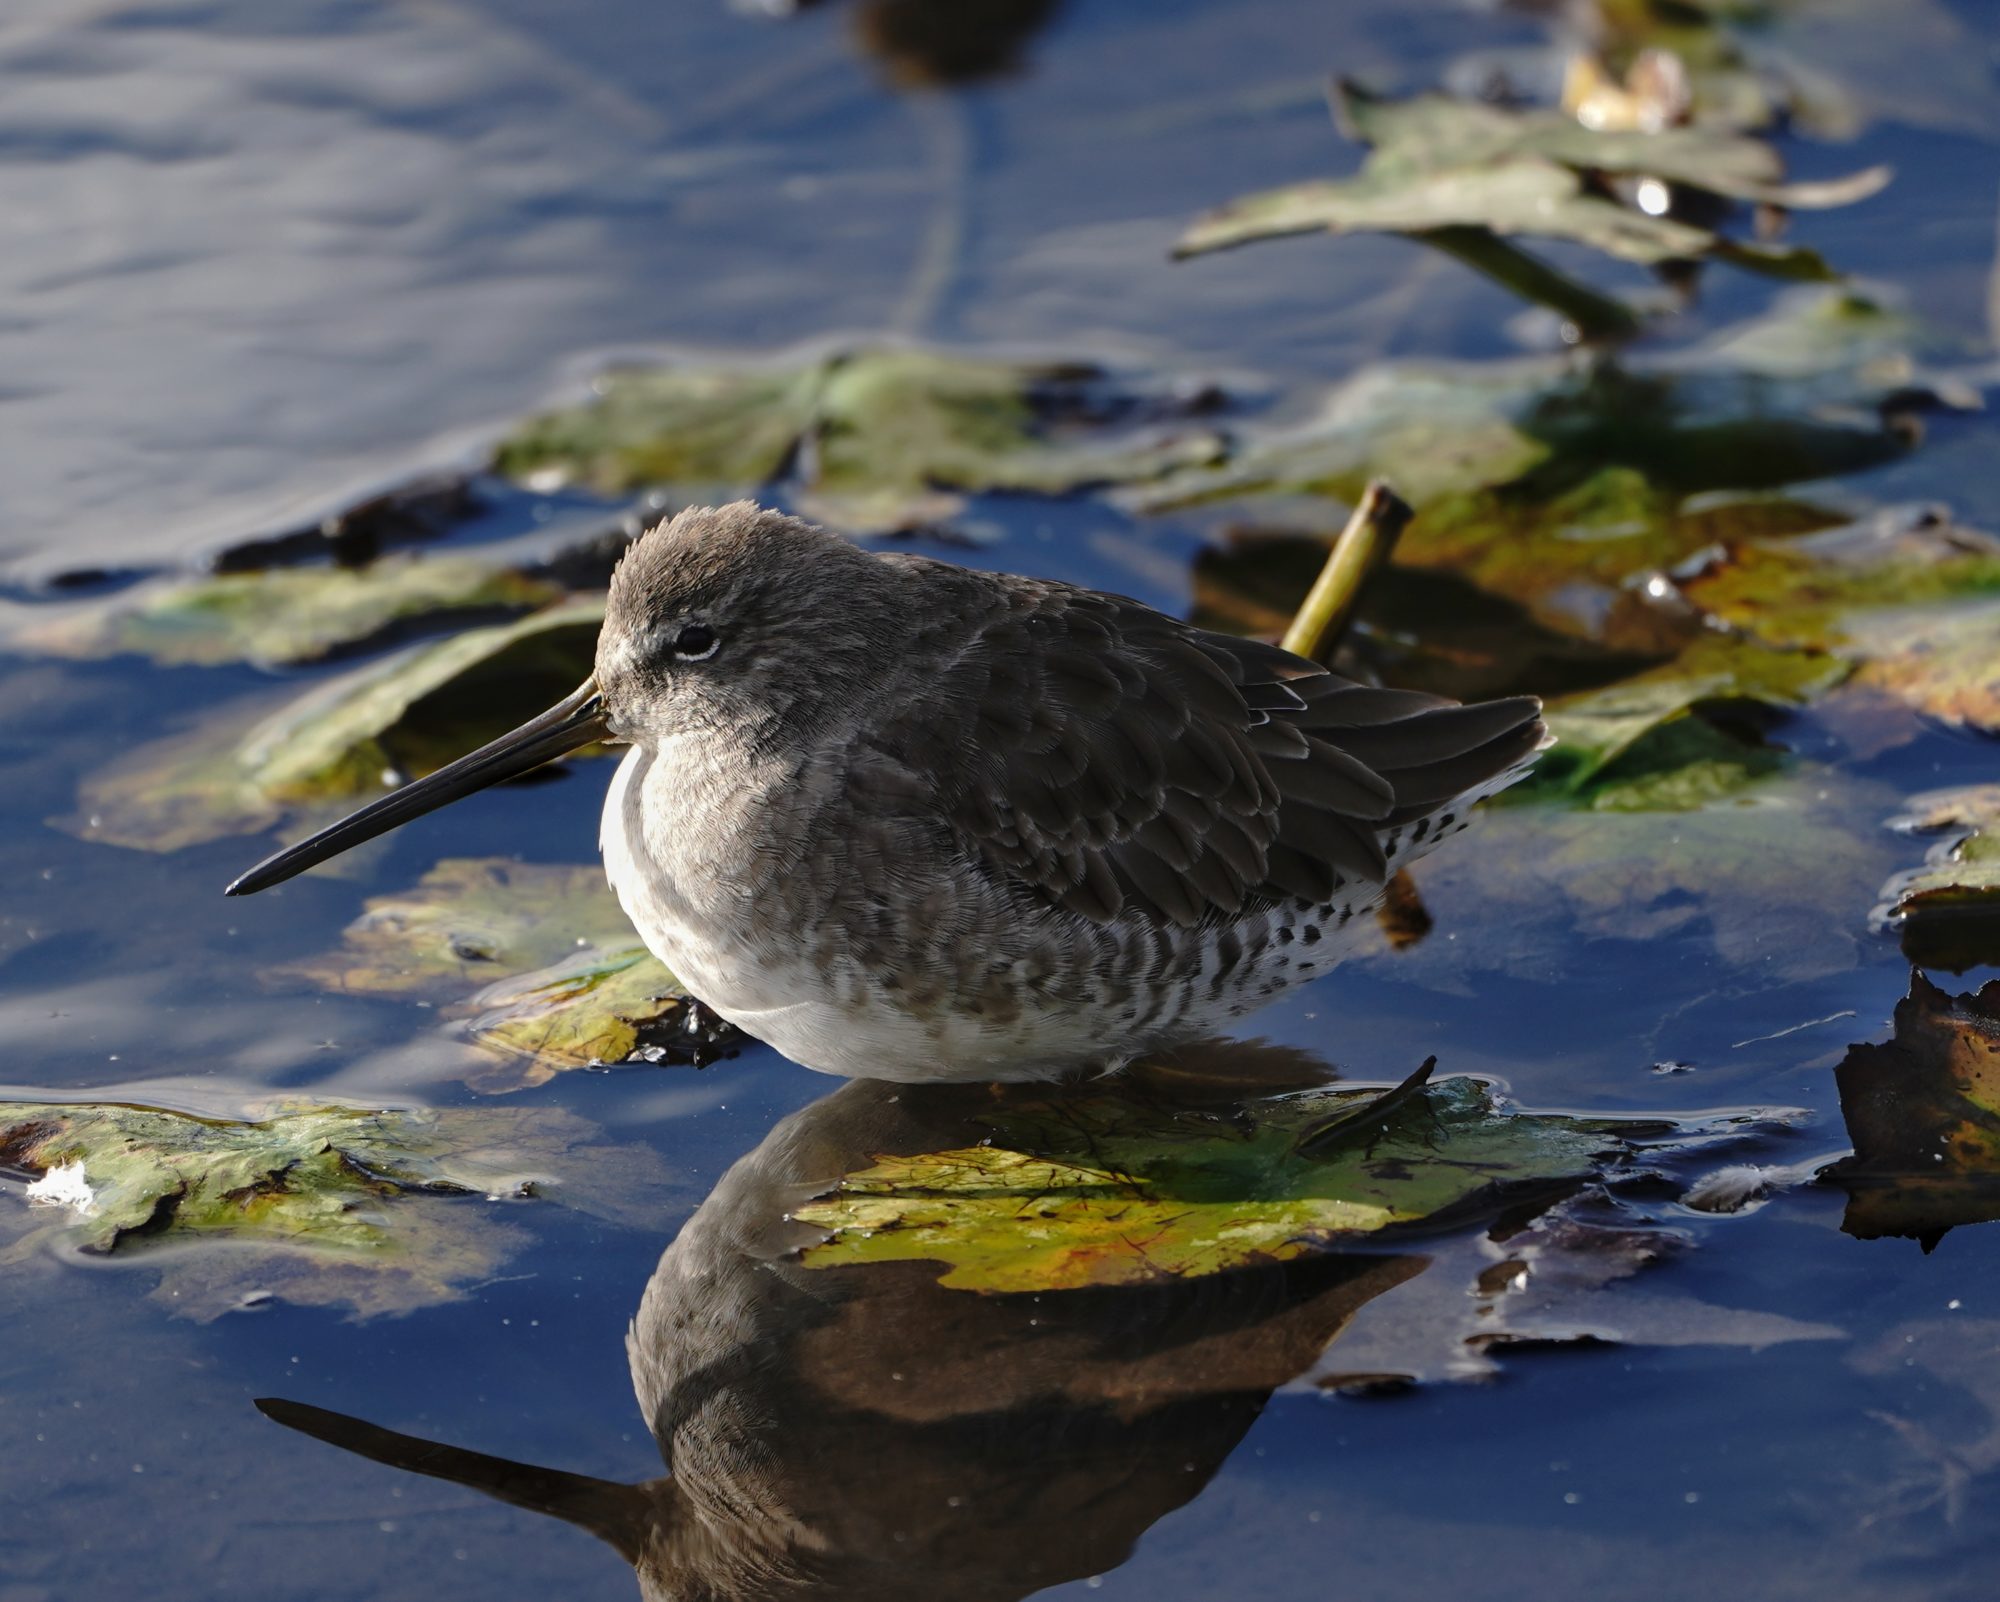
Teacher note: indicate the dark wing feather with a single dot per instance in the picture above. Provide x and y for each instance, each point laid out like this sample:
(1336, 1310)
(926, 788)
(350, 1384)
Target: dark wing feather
(1121, 763)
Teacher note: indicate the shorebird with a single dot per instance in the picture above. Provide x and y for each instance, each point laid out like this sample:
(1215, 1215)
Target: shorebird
(905, 820)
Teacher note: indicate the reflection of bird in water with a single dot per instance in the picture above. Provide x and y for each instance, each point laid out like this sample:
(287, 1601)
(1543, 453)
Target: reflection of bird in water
(903, 819)
(864, 1432)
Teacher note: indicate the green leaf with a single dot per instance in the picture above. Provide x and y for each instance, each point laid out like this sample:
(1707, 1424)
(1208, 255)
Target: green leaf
(1923, 1111)
(537, 964)
(1114, 1189)
(249, 768)
(287, 616)
(1948, 910)
(375, 1211)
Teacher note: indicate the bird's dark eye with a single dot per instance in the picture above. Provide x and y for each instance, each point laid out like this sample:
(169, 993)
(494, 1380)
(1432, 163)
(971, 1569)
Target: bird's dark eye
(695, 642)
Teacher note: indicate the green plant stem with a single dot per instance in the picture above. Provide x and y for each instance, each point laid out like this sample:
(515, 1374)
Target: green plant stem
(1380, 517)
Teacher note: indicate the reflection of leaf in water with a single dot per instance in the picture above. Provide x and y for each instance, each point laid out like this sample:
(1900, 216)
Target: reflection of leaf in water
(406, 715)
(879, 439)
(1917, 603)
(1636, 745)
(1545, 1284)
(1109, 1190)
(289, 615)
(538, 960)
(376, 1211)
(1948, 910)
(1923, 1111)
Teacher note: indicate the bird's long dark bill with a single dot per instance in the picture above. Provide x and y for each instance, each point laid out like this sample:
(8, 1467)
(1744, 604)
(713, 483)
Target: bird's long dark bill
(574, 721)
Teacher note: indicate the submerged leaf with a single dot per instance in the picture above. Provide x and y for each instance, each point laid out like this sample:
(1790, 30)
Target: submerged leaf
(538, 960)
(1923, 1111)
(1948, 910)
(1110, 1189)
(287, 616)
(376, 1211)
(1776, 877)
(247, 769)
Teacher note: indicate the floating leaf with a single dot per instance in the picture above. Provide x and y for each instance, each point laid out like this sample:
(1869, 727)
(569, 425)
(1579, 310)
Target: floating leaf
(1923, 1111)
(1633, 745)
(896, 426)
(287, 616)
(1583, 456)
(538, 960)
(1469, 175)
(248, 768)
(1917, 604)
(729, 429)
(1108, 1190)
(1948, 910)
(376, 1211)
(875, 439)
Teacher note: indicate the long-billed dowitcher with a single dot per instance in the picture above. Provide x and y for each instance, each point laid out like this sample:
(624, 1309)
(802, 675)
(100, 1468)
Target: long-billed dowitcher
(906, 820)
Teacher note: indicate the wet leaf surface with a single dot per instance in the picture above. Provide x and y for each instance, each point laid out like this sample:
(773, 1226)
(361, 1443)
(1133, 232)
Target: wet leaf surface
(1948, 910)
(1106, 1190)
(288, 616)
(244, 769)
(538, 966)
(335, 1206)
(1923, 1111)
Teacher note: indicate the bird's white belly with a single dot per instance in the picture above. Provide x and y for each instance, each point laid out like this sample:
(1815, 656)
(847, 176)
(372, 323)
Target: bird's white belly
(828, 1016)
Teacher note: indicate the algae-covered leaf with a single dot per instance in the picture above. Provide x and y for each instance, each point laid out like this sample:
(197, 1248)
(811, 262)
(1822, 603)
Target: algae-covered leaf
(1948, 910)
(537, 963)
(1113, 1190)
(1635, 745)
(376, 1211)
(247, 768)
(1923, 1111)
(287, 616)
